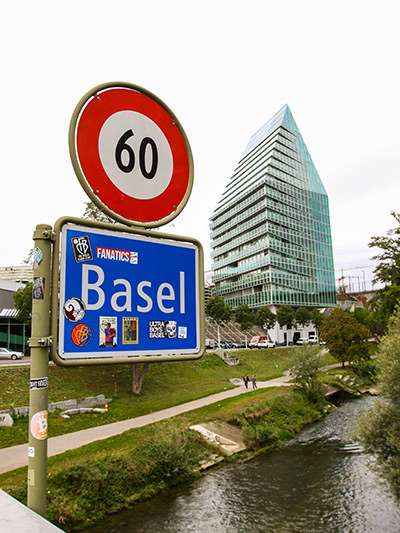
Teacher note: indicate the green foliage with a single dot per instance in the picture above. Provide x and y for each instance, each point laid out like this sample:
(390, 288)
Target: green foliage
(284, 417)
(244, 316)
(286, 316)
(379, 429)
(90, 490)
(173, 459)
(306, 369)
(302, 316)
(316, 318)
(92, 212)
(265, 318)
(388, 269)
(23, 303)
(345, 336)
(218, 311)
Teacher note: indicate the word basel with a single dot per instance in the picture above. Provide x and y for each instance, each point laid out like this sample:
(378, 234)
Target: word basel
(122, 300)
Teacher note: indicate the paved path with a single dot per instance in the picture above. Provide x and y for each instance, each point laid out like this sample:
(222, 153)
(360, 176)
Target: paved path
(17, 456)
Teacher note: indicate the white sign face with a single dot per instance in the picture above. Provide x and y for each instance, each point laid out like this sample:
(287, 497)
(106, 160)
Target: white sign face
(135, 155)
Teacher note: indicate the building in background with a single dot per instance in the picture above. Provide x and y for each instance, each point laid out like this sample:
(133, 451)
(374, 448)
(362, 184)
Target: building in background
(19, 273)
(270, 231)
(13, 333)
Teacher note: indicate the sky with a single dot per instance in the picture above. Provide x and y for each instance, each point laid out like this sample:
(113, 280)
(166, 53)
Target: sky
(223, 68)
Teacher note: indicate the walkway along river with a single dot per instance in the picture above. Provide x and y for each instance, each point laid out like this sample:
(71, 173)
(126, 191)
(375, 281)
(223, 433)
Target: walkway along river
(320, 481)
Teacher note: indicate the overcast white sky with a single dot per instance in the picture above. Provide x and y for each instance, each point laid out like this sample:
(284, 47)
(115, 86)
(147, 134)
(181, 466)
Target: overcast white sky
(224, 68)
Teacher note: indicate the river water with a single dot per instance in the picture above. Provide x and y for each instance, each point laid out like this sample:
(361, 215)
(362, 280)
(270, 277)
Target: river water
(320, 481)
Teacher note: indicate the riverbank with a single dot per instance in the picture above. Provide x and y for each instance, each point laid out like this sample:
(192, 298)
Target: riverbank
(107, 476)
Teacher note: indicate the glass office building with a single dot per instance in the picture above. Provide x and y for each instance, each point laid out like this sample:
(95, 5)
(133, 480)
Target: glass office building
(270, 231)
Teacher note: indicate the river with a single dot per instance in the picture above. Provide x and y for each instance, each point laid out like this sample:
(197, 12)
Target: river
(320, 481)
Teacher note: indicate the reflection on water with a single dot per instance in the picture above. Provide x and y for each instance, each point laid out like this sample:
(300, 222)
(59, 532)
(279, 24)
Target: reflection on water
(320, 481)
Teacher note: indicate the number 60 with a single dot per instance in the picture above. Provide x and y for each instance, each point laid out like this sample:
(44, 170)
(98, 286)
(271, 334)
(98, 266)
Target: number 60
(130, 165)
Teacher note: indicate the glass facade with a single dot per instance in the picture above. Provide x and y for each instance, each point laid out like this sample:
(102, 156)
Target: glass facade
(270, 232)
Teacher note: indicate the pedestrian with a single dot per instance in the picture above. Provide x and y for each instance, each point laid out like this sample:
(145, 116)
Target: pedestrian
(246, 380)
(254, 382)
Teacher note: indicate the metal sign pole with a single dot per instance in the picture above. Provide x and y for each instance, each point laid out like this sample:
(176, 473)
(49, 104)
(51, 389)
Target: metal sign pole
(38, 395)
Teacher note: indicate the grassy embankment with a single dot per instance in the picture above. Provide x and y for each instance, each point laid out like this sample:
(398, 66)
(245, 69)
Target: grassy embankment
(104, 477)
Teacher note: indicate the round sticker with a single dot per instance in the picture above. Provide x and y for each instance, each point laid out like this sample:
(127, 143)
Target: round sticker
(39, 425)
(81, 335)
(74, 309)
(131, 155)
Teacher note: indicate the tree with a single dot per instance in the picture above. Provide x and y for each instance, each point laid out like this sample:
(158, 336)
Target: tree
(345, 337)
(306, 369)
(388, 269)
(316, 319)
(92, 212)
(379, 428)
(302, 316)
(137, 371)
(218, 312)
(244, 316)
(265, 318)
(286, 317)
(23, 303)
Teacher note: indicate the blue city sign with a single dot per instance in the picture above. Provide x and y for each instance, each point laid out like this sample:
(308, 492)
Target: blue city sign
(128, 296)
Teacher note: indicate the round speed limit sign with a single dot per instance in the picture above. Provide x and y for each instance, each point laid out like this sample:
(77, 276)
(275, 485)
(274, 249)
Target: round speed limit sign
(131, 155)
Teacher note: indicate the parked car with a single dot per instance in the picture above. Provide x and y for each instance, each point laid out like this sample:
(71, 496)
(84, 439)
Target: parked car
(235, 344)
(225, 344)
(307, 340)
(266, 344)
(211, 344)
(5, 353)
(255, 340)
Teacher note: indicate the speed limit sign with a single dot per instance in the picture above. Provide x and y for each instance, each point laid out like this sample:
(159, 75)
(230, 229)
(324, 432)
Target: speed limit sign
(131, 155)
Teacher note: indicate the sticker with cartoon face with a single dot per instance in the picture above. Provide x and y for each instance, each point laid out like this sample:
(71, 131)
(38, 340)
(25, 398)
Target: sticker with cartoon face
(74, 309)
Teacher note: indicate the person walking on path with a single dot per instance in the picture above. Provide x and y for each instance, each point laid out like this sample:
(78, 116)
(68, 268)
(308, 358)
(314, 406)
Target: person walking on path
(254, 382)
(246, 381)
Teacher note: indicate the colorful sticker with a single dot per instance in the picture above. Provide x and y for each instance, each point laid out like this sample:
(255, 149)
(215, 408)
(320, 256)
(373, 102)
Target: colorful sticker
(182, 332)
(81, 335)
(113, 254)
(38, 288)
(130, 327)
(74, 310)
(37, 257)
(39, 425)
(108, 332)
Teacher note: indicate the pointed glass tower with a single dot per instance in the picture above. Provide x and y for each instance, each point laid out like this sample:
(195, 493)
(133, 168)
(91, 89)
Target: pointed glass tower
(270, 232)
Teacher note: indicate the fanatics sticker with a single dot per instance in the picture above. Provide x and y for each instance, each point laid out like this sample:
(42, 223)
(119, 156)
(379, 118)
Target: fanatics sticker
(162, 329)
(81, 335)
(74, 310)
(82, 249)
(117, 255)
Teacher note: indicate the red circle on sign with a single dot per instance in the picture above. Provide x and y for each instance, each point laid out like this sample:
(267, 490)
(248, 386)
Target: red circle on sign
(168, 197)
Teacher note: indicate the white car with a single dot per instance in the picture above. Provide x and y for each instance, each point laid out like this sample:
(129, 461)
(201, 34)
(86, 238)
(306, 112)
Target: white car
(308, 340)
(266, 344)
(5, 353)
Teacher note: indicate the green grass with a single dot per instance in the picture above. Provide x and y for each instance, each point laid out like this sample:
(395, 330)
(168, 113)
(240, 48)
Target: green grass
(165, 385)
